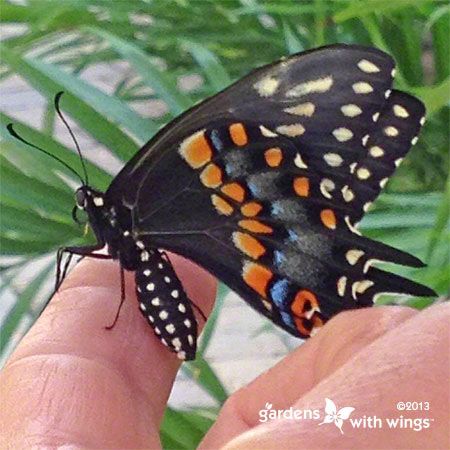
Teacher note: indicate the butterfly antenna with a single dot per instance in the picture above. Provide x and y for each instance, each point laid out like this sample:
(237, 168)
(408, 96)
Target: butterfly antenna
(14, 134)
(64, 121)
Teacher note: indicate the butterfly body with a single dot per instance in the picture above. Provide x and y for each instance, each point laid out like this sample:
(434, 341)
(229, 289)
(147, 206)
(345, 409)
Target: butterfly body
(263, 185)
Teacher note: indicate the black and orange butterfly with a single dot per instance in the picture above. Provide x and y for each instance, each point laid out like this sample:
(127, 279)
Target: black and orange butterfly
(264, 185)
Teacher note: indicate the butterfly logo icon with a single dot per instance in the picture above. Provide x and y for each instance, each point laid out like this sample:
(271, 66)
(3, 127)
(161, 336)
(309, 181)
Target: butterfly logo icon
(333, 415)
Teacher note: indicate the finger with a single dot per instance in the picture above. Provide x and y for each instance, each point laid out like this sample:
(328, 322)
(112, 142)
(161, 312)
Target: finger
(72, 381)
(341, 339)
(405, 364)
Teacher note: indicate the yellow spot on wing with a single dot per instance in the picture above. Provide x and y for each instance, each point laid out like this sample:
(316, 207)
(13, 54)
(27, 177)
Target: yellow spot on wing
(211, 176)
(196, 150)
(238, 134)
(221, 205)
(257, 277)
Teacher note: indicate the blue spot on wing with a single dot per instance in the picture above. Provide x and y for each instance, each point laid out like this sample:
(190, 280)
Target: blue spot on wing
(215, 139)
(287, 319)
(279, 292)
(278, 258)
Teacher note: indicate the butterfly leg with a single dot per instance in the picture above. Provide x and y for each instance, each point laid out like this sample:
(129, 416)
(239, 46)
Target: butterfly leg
(165, 305)
(82, 251)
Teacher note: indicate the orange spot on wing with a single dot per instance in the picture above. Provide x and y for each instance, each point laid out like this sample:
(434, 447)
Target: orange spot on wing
(211, 176)
(234, 191)
(248, 245)
(255, 226)
(238, 134)
(273, 156)
(304, 308)
(251, 209)
(328, 218)
(301, 186)
(196, 150)
(304, 302)
(221, 205)
(257, 277)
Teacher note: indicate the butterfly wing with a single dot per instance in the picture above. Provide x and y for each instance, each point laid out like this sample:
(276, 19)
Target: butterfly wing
(262, 184)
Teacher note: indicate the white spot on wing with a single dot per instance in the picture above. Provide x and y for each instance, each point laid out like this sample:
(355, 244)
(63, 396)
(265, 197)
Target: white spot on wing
(390, 131)
(414, 140)
(375, 116)
(351, 110)
(361, 87)
(267, 86)
(303, 109)
(353, 255)
(298, 161)
(342, 134)
(363, 173)
(293, 130)
(326, 187)
(350, 226)
(367, 206)
(319, 85)
(367, 66)
(342, 282)
(347, 194)
(376, 151)
(333, 159)
(400, 111)
(266, 132)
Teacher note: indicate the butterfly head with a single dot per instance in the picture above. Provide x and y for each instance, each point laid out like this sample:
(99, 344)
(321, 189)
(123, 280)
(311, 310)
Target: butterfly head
(88, 200)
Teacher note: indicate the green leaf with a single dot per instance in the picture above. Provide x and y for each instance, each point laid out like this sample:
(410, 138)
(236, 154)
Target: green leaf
(201, 372)
(109, 106)
(214, 71)
(163, 85)
(434, 97)
(100, 128)
(33, 163)
(185, 429)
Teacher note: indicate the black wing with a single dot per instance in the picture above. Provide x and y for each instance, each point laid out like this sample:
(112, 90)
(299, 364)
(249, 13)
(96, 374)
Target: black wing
(263, 183)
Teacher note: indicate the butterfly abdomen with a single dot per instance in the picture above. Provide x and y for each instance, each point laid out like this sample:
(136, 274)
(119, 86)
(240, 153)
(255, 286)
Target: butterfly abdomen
(165, 305)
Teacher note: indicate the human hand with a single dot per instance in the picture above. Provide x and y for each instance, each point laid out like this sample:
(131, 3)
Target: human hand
(70, 382)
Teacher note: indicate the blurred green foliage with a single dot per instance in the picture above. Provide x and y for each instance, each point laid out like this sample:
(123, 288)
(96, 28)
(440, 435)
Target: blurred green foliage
(220, 40)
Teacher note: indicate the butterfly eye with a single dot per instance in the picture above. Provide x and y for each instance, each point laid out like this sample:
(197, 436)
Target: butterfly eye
(80, 198)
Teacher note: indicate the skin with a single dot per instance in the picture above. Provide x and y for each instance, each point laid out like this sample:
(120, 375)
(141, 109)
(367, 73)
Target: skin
(71, 382)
